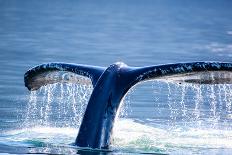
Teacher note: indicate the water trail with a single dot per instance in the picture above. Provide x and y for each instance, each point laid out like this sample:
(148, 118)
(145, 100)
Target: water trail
(60, 100)
(219, 88)
(169, 101)
(175, 102)
(31, 108)
(229, 99)
(213, 107)
(182, 102)
(47, 111)
(156, 87)
(57, 105)
(198, 102)
(125, 106)
(197, 106)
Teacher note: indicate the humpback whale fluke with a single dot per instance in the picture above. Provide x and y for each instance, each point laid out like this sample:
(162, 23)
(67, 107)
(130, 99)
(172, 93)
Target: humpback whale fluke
(112, 83)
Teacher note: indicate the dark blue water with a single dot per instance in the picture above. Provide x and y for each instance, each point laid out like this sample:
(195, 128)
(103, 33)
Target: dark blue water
(137, 32)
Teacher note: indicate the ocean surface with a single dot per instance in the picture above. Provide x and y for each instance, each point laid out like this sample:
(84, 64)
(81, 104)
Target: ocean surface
(156, 116)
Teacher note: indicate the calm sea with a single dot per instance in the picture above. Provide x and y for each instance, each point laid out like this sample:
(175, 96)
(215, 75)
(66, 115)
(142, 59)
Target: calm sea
(159, 117)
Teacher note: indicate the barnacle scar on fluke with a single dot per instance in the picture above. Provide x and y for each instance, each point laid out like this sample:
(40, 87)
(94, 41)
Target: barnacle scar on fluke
(113, 82)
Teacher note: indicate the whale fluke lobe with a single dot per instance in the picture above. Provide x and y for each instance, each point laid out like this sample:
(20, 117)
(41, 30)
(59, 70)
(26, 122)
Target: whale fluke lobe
(61, 72)
(111, 85)
(195, 72)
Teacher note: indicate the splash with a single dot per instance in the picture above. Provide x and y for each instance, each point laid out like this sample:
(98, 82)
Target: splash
(142, 138)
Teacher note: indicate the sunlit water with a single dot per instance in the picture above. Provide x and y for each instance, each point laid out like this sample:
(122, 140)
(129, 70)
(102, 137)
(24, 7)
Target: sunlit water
(156, 117)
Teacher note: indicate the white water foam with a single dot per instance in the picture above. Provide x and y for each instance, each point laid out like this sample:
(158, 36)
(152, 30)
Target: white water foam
(129, 135)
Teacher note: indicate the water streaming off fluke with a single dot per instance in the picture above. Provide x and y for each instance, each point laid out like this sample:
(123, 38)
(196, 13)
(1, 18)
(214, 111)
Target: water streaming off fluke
(57, 105)
(201, 105)
(180, 116)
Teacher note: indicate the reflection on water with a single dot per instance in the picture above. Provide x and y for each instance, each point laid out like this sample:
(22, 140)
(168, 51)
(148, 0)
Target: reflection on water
(100, 33)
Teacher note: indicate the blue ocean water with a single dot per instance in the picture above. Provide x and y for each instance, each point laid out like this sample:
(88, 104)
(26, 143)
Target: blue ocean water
(139, 33)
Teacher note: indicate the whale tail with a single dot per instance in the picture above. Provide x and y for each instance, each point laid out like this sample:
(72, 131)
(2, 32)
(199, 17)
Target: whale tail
(112, 83)
(195, 72)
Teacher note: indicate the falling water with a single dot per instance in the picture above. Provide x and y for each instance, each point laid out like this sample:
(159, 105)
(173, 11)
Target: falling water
(181, 116)
(57, 105)
(125, 106)
(196, 105)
